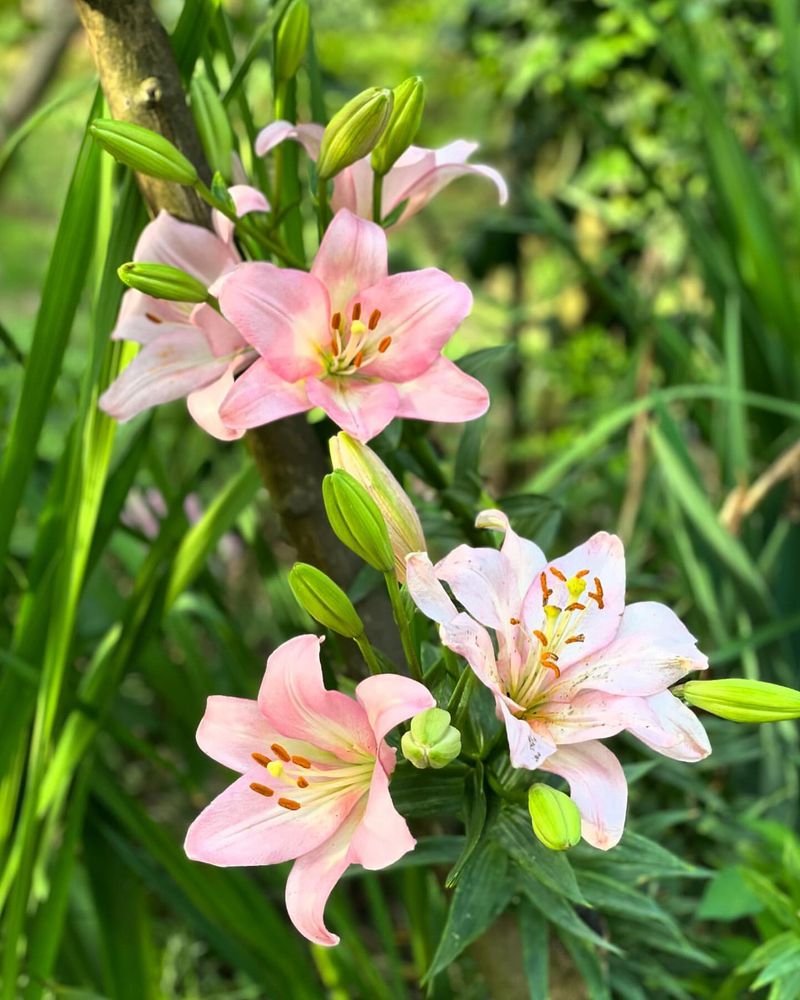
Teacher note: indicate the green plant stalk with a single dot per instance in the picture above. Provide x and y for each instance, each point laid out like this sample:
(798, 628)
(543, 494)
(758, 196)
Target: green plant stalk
(287, 182)
(368, 652)
(377, 197)
(404, 625)
(458, 706)
(323, 211)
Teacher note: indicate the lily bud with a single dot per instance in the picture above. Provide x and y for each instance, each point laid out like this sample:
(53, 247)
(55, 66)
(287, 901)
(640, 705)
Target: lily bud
(212, 123)
(356, 520)
(291, 40)
(404, 122)
(163, 281)
(432, 741)
(742, 700)
(555, 817)
(354, 130)
(324, 600)
(143, 150)
(399, 515)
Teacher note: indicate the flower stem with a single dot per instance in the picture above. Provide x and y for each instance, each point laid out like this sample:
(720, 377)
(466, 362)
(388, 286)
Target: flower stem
(368, 652)
(322, 206)
(247, 227)
(377, 197)
(458, 706)
(404, 625)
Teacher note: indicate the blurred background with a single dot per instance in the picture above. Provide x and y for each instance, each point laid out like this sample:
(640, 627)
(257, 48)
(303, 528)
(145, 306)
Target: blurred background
(637, 319)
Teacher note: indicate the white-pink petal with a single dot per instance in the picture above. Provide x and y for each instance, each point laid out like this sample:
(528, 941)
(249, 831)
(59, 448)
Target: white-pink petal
(481, 580)
(259, 396)
(309, 136)
(389, 699)
(382, 837)
(667, 726)
(444, 394)
(425, 588)
(361, 408)
(231, 729)
(351, 258)
(525, 559)
(527, 747)
(204, 406)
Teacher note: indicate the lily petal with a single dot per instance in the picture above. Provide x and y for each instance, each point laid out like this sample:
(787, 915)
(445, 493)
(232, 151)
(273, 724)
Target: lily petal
(259, 396)
(230, 730)
(479, 578)
(382, 836)
(389, 699)
(246, 199)
(469, 639)
(204, 406)
(424, 586)
(295, 702)
(524, 557)
(194, 249)
(419, 311)
(667, 726)
(309, 136)
(527, 748)
(444, 394)
(598, 788)
(351, 257)
(363, 409)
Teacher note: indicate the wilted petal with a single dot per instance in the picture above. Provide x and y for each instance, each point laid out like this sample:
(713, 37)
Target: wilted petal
(420, 311)
(295, 702)
(389, 699)
(651, 650)
(169, 368)
(259, 396)
(667, 726)
(598, 788)
(283, 313)
(363, 409)
(444, 394)
(425, 588)
(351, 257)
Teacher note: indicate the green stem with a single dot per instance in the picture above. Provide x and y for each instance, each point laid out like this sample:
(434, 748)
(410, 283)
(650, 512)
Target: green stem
(322, 206)
(403, 625)
(368, 652)
(247, 227)
(458, 706)
(377, 197)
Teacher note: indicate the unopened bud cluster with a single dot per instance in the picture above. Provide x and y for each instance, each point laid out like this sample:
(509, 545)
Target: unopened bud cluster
(431, 741)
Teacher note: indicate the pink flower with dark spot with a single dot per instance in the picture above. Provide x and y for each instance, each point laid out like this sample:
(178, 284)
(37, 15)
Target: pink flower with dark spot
(314, 785)
(362, 344)
(186, 350)
(572, 664)
(417, 176)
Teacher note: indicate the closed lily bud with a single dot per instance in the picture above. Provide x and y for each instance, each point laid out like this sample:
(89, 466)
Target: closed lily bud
(432, 741)
(555, 817)
(291, 40)
(354, 130)
(324, 600)
(356, 520)
(163, 281)
(143, 150)
(404, 122)
(212, 123)
(742, 700)
(399, 515)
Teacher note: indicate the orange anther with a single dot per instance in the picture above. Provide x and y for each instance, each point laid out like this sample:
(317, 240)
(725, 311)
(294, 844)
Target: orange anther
(289, 804)
(513, 621)
(301, 782)
(557, 573)
(358, 359)
(336, 321)
(301, 761)
(582, 572)
(575, 606)
(374, 316)
(546, 591)
(576, 638)
(279, 751)
(540, 636)
(260, 758)
(357, 311)
(262, 790)
(152, 318)
(384, 344)
(598, 596)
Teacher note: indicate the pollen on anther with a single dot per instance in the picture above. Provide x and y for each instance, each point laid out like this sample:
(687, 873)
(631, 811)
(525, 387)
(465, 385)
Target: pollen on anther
(358, 359)
(575, 606)
(546, 591)
(301, 761)
(289, 804)
(582, 572)
(575, 638)
(261, 789)
(301, 782)
(384, 344)
(513, 621)
(356, 314)
(152, 318)
(279, 751)
(260, 758)
(336, 321)
(540, 636)
(558, 574)
(374, 316)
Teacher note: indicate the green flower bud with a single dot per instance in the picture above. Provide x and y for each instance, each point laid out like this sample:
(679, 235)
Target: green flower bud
(163, 281)
(354, 130)
(432, 741)
(291, 40)
(143, 150)
(324, 600)
(212, 123)
(555, 817)
(742, 700)
(401, 130)
(356, 520)
(399, 515)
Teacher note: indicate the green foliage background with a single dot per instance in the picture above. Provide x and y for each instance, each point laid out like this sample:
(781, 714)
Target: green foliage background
(638, 314)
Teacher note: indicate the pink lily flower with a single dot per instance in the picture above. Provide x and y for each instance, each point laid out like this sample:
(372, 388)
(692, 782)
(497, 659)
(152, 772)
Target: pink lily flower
(573, 664)
(362, 344)
(417, 176)
(314, 785)
(187, 350)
